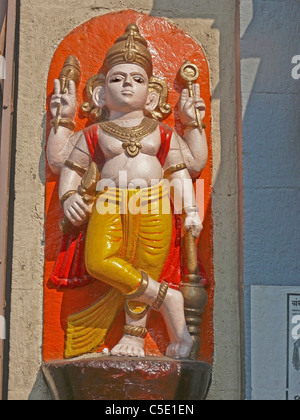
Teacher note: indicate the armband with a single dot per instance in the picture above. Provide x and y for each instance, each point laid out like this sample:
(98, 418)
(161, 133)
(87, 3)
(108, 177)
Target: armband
(175, 168)
(80, 170)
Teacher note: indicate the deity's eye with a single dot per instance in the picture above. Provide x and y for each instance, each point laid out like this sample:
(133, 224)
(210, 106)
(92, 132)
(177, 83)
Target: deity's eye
(139, 79)
(115, 79)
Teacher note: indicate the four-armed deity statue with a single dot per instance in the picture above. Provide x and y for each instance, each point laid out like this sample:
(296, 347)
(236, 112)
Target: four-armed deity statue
(114, 189)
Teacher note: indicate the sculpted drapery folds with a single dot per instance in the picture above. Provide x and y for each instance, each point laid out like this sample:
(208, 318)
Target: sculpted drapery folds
(121, 224)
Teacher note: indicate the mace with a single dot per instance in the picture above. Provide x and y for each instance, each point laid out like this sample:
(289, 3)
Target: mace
(195, 296)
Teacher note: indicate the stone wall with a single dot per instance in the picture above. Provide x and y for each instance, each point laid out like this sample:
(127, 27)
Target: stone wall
(42, 27)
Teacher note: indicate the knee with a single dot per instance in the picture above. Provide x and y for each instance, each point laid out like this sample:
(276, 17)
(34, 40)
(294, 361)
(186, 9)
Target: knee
(94, 264)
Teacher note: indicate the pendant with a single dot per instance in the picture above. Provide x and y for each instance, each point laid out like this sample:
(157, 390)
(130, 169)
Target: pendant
(130, 136)
(132, 147)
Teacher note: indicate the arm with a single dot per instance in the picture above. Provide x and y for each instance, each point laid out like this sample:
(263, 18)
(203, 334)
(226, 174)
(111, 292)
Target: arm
(194, 143)
(61, 143)
(75, 208)
(183, 194)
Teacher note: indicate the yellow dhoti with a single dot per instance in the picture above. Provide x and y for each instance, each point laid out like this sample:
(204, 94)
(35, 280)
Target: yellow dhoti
(129, 231)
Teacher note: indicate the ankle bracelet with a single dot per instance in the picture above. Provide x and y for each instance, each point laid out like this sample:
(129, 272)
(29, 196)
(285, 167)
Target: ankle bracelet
(136, 316)
(163, 290)
(133, 331)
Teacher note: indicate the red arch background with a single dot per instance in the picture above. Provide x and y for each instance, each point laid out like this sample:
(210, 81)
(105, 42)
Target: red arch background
(170, 47)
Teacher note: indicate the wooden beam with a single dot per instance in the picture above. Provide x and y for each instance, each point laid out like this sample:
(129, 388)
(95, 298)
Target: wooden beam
(5, 154)
(3, 16)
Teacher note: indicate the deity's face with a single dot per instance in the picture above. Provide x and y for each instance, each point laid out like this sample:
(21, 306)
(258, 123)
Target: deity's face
(126, 88)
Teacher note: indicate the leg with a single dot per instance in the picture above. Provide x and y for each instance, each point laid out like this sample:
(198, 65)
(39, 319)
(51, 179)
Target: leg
(110, 248)
(150, 255)
(103, 244)
(152, 251)
(172, 310)
(147, 249)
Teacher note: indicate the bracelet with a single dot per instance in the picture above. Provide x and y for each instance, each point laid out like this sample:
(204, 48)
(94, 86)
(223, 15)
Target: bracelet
(193, 124)
(191, 209)
(175, 168)
(65, 197)
(63, 122)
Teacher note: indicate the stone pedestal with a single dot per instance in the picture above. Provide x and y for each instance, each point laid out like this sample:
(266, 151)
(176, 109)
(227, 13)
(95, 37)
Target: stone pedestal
(114, 378)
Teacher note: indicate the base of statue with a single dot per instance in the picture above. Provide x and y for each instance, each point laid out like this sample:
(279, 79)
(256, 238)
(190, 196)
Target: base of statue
(98, 377)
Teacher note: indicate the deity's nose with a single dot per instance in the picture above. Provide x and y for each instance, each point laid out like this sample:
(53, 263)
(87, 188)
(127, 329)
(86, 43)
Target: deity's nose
(127, 80)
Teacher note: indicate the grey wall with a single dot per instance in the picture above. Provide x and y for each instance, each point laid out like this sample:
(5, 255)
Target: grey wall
(271, 147)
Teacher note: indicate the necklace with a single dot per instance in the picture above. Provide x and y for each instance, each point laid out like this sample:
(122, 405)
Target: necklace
(130, 136)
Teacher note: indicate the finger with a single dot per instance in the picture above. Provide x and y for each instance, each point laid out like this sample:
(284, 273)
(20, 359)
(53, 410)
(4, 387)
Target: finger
(65, 99)
(184, 96)
(72, 88)
(195, 231)
(198, 230)
(196, 88)
(55, 97)
(200, 105)
(55, 101)
(75, 215)
(201, 102)
(189, 104)
(81, 213)
(56, 87)
(84, 207)
(89, 208)
(71, 217)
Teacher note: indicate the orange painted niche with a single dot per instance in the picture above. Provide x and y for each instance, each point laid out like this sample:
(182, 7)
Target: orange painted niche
(170, 47)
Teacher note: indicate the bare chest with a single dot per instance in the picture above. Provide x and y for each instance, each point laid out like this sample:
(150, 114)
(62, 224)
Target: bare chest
(113, 147)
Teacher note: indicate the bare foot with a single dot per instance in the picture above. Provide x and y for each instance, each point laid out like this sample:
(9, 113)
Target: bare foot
(173, 312)
(129, 346)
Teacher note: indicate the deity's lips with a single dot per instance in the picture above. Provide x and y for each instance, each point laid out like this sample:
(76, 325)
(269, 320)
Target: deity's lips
(127, 92)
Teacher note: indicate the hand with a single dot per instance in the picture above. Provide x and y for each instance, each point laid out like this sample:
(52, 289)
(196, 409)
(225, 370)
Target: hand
(193, 223)
(76, 210)
(187, 105)
(67, 101)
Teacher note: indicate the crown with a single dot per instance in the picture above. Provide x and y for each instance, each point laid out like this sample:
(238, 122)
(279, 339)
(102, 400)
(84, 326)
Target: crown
(129, 48)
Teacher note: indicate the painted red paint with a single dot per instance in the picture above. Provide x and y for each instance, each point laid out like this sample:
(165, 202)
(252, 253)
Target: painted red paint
(170, 47)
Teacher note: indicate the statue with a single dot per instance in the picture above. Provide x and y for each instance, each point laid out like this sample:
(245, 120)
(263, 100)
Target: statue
(113, 191)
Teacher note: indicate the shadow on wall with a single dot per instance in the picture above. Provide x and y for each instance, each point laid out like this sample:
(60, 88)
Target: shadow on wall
(271, 148)
(191, 9)
(223, 90)
(271, 124)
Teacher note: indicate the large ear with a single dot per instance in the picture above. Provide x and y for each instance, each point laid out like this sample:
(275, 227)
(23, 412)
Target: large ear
(152, 102)
(99, 98)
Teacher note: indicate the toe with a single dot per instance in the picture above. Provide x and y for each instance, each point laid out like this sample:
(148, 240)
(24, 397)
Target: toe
(116, 351)
(170, 350)
(138, 352)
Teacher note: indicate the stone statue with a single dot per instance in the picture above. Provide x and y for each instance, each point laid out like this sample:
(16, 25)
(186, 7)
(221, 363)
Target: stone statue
(113, 180)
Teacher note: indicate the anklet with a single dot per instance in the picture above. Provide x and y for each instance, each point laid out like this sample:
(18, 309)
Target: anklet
(139, 332)
(136, 316)
(141, 289)
(161, 296)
